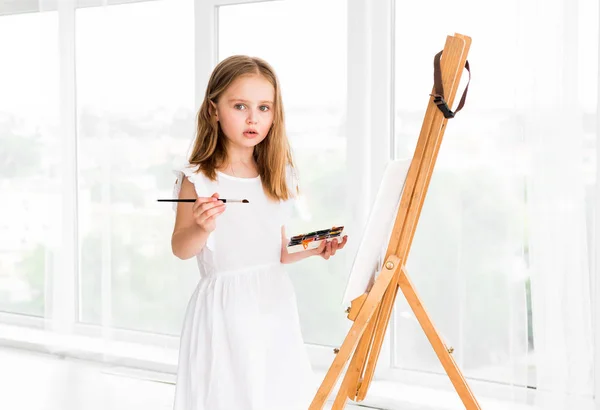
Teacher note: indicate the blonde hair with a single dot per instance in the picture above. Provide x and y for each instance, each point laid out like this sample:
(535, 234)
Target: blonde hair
(272, 155)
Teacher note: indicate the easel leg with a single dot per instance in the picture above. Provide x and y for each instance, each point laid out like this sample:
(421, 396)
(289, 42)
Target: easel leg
(447, 361)
(368, 309)
(354, 372)
(347, 386)
(378, 336)
(358, 363)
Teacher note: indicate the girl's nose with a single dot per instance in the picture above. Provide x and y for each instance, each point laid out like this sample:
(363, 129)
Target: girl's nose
(251, 118)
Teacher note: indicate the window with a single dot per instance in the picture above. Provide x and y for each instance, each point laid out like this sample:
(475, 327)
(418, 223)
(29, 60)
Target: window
(136, 115)
(30, 161)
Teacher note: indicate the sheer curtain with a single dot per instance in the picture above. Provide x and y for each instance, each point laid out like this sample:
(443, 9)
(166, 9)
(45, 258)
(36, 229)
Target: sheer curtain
(559, 100)
(501, 253)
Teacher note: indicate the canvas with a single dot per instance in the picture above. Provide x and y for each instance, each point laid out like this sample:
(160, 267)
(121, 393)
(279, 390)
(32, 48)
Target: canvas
(377, 231)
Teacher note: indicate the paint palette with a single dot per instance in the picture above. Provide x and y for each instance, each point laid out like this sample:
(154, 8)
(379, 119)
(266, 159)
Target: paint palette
(312, 240)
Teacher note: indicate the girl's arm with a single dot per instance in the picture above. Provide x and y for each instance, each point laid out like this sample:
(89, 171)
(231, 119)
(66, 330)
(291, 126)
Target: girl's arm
(326, 249)
(188, 237)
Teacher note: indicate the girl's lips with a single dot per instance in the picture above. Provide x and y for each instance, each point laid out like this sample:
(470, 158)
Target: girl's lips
(250, 134)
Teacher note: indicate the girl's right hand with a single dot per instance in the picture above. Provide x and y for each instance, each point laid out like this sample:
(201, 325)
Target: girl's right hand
(206, 210)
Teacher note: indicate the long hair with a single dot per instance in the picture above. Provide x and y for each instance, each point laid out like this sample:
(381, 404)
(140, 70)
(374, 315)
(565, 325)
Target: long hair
(272, 155)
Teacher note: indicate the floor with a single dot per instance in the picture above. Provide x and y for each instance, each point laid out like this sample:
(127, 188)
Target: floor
(37, 381)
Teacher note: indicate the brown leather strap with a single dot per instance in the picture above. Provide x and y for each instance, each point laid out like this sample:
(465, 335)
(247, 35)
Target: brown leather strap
(438, 97)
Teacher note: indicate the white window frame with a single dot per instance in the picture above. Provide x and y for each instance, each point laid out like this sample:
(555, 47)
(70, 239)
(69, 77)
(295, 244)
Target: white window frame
(33, 6)
(60, 293)
(595, 285)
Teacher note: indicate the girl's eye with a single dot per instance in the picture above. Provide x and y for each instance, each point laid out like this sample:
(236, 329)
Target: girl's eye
(239, 106)
(264, 108)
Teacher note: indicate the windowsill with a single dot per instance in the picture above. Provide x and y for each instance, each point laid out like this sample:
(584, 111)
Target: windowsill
(118, 353)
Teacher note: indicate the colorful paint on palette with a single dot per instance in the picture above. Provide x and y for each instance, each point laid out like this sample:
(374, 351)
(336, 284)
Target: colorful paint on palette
(312, 240)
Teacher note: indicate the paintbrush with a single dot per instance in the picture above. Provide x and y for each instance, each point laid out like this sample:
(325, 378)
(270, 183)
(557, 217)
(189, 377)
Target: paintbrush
(242, 201)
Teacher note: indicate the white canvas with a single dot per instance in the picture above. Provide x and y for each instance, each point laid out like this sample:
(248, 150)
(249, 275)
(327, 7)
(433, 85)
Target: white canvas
(375, 236)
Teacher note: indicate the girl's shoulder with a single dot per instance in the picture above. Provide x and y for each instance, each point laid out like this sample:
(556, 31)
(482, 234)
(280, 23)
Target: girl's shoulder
(202, 184)
(192, 172)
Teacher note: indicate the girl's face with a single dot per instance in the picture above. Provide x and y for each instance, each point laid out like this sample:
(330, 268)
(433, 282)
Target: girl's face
(245, 110)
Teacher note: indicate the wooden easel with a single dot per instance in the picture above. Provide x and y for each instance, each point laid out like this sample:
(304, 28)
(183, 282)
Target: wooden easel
(371, 312)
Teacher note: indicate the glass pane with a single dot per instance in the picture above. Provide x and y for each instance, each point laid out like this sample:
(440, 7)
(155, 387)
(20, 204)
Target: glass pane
(313, 83)
(468, 260)
(30, 159)
(135, 102)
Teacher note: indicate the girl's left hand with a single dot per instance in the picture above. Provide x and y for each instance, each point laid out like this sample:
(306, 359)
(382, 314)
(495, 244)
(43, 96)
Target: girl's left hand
(328, 248)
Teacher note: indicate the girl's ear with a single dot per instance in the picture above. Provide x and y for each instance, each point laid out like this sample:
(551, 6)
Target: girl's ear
(213, 109)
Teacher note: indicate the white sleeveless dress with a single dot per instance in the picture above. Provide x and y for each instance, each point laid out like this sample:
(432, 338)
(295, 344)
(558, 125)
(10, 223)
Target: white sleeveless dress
(241, 345)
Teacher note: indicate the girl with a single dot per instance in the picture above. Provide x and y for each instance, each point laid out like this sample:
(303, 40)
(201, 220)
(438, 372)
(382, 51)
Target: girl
(241, 346)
